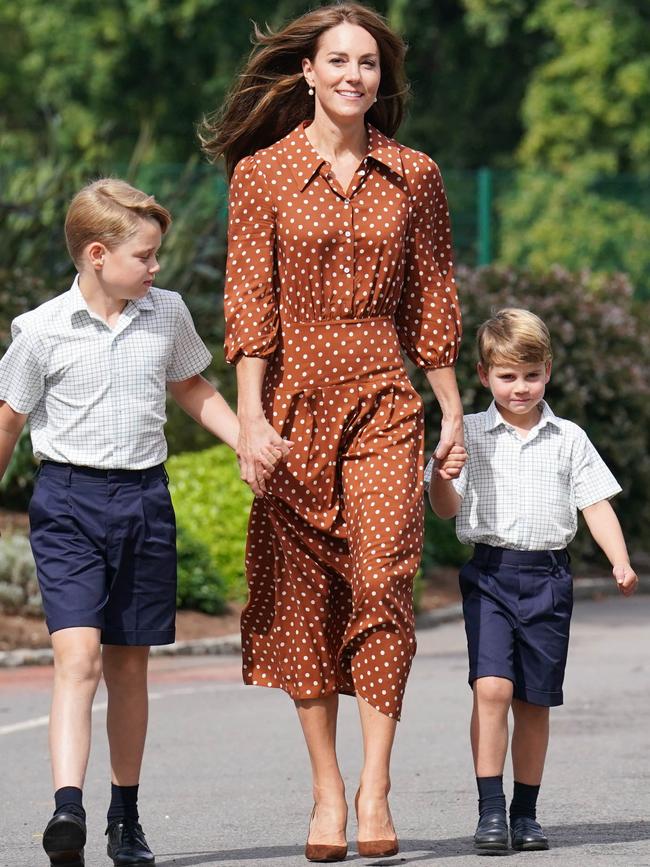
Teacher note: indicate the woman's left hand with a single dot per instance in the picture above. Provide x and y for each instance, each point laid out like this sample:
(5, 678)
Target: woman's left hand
(451, 433)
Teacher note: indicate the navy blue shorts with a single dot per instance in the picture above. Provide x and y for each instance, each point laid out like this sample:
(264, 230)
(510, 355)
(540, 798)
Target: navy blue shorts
(104, 542)
(517, 607)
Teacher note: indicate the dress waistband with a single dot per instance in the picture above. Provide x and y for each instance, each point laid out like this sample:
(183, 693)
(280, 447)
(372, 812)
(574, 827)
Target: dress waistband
(338, 351)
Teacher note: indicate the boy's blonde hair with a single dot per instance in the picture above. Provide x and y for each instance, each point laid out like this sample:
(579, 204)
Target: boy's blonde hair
(513, 336)
(109, 211)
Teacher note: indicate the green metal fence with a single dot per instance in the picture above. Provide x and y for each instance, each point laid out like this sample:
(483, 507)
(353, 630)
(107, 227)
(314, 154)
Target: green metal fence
(514, 217)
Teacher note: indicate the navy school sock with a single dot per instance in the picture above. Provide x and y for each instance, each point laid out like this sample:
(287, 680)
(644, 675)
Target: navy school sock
(68, 799)
(124, 803)
(490, 794)
(524, 801)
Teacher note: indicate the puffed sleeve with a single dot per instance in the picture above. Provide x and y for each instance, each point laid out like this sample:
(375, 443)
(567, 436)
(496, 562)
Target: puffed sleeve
(428, 315)
(250, 301)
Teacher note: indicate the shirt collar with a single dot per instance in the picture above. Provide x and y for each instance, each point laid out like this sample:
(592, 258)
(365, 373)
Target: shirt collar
(494, 419)
(305, 162)
(78, 303)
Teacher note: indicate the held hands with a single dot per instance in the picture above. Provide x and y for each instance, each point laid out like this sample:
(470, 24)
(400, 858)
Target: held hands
(450, 454)
(259, 450)
(450, 466)
(626, 578)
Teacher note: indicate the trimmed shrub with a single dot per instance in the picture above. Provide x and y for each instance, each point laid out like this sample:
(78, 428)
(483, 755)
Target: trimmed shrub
(212, 506)
(19, 593)
(200, 586)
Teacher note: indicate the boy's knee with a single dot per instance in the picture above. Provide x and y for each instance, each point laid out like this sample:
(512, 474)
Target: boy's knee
(128, 664)
(80, 667)
(493, 690)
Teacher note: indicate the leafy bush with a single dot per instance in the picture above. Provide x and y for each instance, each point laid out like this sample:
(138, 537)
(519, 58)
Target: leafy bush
(200, 586)
(19, 593)
(212, 506)
(598, 224)
(601, 345)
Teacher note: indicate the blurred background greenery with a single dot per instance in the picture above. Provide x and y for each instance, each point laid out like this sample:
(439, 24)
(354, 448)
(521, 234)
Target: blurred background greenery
(537, 111)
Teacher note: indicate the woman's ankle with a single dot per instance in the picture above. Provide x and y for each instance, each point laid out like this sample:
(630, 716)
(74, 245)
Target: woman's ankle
(374, 786)
(331, 791)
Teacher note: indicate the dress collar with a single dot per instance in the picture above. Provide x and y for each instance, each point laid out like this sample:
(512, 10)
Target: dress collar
(306, 162)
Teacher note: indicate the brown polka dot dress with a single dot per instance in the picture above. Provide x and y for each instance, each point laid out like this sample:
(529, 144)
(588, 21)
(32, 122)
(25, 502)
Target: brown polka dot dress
(329, 286)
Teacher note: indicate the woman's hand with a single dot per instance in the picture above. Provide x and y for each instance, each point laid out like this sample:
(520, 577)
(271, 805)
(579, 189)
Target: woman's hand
(451, 433)
(259, 450)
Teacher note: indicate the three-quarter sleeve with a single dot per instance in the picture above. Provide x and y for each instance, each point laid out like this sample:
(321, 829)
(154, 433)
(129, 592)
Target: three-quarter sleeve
(250, 301)
(428, 314)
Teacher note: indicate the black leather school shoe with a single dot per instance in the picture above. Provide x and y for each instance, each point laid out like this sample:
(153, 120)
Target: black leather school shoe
(64, 839)
(527, 835)
(127, 845)
(492, 833)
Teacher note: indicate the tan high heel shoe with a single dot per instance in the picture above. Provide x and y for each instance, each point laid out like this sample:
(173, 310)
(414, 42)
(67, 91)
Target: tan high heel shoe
(375, 848)
(323, 851)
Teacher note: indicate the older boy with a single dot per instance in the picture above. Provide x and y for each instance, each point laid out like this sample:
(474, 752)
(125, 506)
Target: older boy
(89, 370)
(516, 500)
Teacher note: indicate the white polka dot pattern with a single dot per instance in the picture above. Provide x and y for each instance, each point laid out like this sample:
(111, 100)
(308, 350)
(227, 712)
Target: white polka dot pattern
(300, 249)
(330, 285)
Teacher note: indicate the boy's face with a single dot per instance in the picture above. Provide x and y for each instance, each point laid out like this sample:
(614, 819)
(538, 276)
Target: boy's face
(126, 272)
(516, 388)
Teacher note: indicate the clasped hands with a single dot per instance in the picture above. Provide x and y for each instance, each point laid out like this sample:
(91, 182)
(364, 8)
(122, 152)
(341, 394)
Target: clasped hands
(449, 460)
(259, 451)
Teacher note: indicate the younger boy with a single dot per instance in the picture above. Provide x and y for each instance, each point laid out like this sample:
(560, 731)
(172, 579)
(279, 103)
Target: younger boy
(516, 500)
(89, 370)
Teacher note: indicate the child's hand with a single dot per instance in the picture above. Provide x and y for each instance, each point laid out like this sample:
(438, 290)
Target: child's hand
(451, 465)
(626, 578)
(273, 455)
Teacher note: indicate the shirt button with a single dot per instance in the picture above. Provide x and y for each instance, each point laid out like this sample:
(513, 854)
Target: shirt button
(348, 234)
(347, 201)
(346, 270)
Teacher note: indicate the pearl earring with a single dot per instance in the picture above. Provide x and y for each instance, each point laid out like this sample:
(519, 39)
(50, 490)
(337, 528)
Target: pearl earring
(311, 91)
(375, 99)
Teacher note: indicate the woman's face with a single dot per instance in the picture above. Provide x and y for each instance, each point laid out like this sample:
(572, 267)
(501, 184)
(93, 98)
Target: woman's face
(345, 72)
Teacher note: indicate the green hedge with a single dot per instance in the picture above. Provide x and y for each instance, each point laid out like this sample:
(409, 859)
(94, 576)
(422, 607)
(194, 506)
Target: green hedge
(212, 506)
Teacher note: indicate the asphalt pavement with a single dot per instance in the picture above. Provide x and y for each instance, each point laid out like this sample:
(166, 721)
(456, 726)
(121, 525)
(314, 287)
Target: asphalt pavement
(226, 778)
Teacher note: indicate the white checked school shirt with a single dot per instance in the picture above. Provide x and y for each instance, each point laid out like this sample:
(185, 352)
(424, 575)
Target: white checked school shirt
(95, 396)
(524, 494)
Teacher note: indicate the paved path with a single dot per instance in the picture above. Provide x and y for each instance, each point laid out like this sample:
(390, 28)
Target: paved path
(226, 779)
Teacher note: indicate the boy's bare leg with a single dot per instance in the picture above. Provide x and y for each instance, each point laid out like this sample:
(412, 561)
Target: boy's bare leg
(77, 670)
(529, 742)
(318, 720)
(489, 725)
(125, 673)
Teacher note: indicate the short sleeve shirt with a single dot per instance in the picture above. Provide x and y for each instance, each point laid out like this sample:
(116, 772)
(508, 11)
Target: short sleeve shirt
(524, 494)
(95, 395)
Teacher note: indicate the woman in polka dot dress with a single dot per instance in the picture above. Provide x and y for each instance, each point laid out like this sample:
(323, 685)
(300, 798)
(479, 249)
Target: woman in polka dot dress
(339, 257)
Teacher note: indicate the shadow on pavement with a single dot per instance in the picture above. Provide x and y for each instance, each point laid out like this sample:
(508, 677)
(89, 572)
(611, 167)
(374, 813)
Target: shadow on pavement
(561, 836)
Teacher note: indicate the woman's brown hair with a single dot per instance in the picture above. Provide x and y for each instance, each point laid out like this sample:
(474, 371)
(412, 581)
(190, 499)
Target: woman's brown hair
(269, 97)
